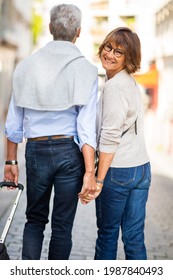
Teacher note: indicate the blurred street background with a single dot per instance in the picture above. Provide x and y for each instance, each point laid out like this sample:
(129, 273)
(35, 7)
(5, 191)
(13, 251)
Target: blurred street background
(24, 29)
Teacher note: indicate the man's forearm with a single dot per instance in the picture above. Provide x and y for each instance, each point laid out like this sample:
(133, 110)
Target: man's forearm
(11, 150)
(89, 182)
(89, 156)
(11, 172)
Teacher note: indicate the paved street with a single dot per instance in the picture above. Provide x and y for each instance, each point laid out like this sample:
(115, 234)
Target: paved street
(159, 221)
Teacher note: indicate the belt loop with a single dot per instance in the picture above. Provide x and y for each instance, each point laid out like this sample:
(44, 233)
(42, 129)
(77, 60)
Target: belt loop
(49, 138)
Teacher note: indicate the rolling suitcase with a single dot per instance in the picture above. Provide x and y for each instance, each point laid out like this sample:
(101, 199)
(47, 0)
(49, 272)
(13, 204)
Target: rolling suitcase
(3, 251)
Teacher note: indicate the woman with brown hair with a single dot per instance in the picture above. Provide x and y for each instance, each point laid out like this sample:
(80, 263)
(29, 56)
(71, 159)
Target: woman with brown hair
(123, 175)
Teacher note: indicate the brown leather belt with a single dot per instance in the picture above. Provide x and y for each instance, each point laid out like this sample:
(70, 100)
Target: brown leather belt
(54, 137)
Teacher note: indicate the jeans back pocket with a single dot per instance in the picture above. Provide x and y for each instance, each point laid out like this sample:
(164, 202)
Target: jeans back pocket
(123, 176)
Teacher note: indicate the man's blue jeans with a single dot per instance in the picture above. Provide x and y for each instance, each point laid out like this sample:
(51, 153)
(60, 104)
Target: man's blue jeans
(57, 163)
(122, 204)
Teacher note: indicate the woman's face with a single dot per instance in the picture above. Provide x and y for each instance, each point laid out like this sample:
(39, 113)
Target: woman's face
(113, 59)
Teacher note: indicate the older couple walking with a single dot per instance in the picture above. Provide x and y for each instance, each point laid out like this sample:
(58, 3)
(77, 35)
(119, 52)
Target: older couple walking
(54, 106)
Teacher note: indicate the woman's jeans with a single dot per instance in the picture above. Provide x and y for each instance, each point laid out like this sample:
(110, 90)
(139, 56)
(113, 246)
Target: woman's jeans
(57, 163)
(122, 204)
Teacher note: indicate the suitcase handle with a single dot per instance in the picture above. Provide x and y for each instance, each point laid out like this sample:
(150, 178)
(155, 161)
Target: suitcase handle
(11, 184)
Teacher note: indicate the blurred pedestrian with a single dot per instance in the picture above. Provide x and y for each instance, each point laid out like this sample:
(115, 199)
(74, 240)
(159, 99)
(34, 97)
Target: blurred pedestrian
(53, 106)
(124, 174)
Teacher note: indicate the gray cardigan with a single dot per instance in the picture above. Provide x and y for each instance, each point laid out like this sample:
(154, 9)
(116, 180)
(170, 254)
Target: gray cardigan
(55, 77)
(119, 106)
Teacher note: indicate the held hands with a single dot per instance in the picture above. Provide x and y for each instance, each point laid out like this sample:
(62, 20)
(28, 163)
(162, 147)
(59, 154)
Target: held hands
(91, 189)
(89, 197)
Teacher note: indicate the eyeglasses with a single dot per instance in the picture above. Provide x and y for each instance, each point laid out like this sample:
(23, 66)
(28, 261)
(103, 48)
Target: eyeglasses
(117, 52)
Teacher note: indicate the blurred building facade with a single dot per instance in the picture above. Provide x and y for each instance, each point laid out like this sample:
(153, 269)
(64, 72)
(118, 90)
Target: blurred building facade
(164, 61)
(109, 14)
(15, 44)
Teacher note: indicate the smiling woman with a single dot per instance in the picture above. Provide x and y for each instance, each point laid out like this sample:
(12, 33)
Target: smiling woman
(112, 59)
(126, 51)
(123, 175)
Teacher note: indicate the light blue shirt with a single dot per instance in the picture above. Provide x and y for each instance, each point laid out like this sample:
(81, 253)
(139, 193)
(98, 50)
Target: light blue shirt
(77, 121)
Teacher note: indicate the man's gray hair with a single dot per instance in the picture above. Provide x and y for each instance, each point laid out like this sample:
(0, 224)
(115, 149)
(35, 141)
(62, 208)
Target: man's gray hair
(65, 19)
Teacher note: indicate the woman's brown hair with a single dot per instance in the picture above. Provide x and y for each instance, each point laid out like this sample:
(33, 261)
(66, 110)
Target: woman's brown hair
(129, 42)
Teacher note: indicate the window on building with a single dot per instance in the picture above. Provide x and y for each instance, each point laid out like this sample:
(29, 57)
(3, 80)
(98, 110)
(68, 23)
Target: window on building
(129, 21)
(99, 4)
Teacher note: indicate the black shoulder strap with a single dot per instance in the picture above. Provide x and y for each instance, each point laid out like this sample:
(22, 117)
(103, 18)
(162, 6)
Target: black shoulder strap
(135, 123)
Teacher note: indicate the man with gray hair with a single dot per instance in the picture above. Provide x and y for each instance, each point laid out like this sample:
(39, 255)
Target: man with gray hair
(53, 106)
